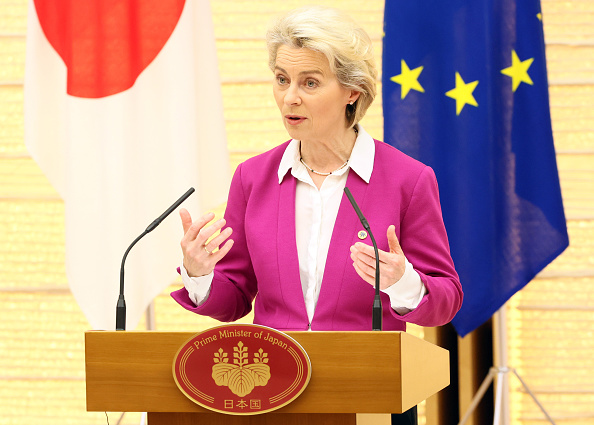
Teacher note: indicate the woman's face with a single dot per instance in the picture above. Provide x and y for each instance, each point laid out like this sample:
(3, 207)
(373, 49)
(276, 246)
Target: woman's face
(311, 100)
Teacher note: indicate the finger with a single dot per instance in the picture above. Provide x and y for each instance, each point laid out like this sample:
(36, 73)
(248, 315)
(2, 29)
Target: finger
(223, 251)
(208, 231)
(364, 249)
(219, 239)
(366, 267)
(368, 252)
(197, 226)
(366, 277)
(393, 240)
(186, 219)
(362, 257)
(192, 230)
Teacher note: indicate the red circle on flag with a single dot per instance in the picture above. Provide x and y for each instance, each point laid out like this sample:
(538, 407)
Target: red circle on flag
(106, 44)
(242, 369)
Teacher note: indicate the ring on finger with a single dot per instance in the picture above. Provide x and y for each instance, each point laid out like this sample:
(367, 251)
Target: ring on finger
(207, 251)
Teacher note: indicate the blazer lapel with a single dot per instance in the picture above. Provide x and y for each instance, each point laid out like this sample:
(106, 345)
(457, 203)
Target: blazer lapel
(288, 260)
(343, 236)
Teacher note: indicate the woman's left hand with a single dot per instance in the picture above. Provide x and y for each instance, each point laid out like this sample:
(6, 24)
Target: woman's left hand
(392, 264)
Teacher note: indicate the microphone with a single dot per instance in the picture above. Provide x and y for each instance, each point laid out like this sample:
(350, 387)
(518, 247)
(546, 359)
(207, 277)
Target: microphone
(121, 305)
(376, 323)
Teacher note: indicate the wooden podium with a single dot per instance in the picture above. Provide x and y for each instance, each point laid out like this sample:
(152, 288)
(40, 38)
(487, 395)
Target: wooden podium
(352, 372)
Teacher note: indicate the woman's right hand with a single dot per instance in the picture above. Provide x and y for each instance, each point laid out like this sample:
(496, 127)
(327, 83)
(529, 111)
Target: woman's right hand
(199, 258)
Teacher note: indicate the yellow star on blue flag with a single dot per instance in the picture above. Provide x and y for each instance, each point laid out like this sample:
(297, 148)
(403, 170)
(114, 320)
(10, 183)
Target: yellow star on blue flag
(518, 71)
(408, 79)
(462, 93)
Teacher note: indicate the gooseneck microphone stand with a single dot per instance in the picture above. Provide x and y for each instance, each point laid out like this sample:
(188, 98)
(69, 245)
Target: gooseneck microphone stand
(376, 323)
(121, 304)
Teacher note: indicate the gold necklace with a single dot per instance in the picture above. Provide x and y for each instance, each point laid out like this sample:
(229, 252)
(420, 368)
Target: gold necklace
(320, 173)
(331, 172)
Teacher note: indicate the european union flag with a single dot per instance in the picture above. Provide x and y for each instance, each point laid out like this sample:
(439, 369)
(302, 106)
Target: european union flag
(465, 91)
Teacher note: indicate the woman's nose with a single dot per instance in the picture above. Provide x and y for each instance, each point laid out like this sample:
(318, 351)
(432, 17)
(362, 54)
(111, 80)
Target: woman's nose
(292, 95)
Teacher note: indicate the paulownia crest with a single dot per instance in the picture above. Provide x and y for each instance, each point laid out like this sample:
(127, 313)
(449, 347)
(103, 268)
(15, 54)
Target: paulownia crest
(242, 376)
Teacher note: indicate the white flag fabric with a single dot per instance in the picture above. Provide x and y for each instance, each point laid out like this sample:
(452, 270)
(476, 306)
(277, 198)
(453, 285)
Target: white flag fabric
(123, 114)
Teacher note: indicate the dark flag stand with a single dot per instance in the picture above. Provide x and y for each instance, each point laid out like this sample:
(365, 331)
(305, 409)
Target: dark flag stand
(499, 375)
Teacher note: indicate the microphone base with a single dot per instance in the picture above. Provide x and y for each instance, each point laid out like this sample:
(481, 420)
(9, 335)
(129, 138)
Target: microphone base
(377, 314)
(121, 314)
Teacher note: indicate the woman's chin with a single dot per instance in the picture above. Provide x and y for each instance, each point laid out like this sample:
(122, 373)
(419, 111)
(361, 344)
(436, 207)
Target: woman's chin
(295, 132)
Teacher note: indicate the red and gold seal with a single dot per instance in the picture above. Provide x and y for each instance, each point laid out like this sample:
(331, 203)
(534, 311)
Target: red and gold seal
(241, 369)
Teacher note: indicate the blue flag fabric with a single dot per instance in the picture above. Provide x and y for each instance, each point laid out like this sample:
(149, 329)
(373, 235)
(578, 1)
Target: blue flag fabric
(465, 91)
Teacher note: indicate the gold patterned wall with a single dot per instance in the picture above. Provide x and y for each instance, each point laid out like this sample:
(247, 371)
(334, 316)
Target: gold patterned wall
(550, 323)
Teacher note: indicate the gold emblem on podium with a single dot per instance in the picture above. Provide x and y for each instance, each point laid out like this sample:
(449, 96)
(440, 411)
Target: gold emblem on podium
(253, 369)
(241, 376)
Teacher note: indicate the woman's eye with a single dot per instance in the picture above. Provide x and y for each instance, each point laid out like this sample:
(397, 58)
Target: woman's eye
(281, 79)
(311, 83)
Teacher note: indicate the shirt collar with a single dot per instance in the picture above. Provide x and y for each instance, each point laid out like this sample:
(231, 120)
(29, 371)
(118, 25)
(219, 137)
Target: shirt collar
(361, 160)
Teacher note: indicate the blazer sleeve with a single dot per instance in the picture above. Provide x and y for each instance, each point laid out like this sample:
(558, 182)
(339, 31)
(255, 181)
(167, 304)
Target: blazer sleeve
(424, 241)
(234, 284)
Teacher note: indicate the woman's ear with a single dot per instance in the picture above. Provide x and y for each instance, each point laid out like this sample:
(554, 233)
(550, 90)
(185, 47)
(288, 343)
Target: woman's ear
(354, 96)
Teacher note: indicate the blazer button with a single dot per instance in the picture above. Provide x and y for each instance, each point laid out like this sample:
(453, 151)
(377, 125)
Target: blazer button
(362, 234)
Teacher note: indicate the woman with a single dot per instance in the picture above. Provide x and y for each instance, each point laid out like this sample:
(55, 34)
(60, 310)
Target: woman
(297, 243)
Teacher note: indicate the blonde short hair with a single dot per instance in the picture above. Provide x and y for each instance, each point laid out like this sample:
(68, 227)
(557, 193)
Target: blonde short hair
(334, 34)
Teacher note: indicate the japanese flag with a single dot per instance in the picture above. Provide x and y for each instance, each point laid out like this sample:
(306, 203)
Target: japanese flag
(123, 113)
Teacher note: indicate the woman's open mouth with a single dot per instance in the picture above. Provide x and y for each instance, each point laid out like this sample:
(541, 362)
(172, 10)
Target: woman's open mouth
(294, 119)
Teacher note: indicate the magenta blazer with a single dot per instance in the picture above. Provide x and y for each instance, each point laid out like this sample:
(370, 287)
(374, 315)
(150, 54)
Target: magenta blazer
(263, 262)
